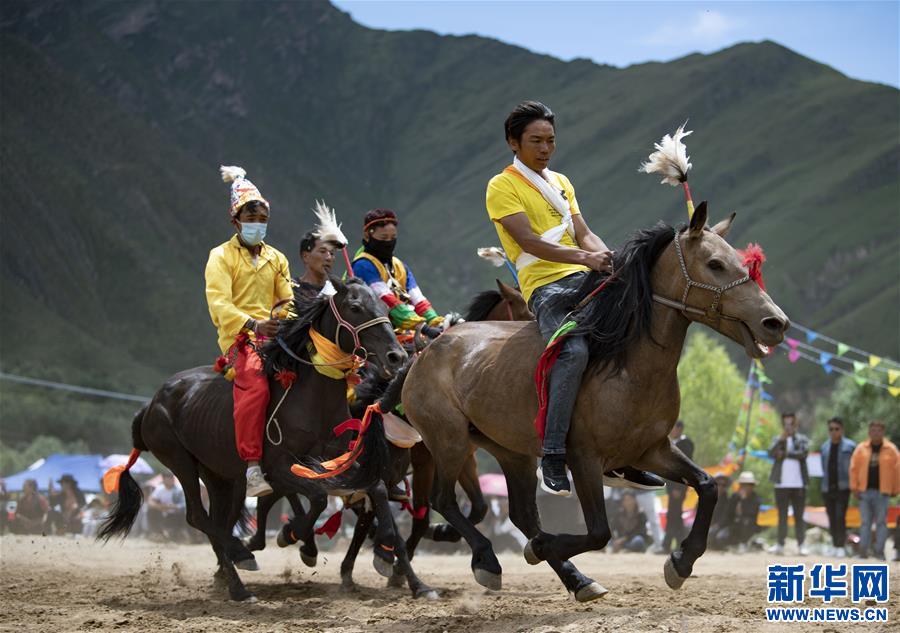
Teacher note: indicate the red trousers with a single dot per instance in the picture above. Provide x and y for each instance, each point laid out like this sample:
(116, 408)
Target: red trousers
(251, 398)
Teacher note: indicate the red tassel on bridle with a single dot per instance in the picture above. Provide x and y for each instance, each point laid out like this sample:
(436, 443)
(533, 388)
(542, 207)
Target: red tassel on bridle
(753, 258)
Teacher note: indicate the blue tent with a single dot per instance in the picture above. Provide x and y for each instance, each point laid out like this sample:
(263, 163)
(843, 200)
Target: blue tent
(84, 468)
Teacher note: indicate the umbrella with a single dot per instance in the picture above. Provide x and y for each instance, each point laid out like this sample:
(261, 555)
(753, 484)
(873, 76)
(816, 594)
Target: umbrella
(493, 484)
(140, 467)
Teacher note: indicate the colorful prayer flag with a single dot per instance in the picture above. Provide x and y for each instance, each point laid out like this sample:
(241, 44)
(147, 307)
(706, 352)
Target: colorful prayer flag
(874, 360)
(843, 348)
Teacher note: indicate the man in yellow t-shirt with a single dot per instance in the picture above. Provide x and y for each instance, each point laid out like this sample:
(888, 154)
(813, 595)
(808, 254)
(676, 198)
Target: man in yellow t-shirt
(245, 278)
(543, 232)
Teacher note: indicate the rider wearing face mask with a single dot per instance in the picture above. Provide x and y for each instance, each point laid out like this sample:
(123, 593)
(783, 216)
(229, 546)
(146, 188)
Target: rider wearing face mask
(245, 278)
(390, 278)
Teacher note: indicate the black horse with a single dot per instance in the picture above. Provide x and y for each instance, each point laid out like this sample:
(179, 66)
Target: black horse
(189, 427)
(505, 303)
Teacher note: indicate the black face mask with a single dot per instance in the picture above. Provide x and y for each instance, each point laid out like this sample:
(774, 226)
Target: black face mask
(382, 250)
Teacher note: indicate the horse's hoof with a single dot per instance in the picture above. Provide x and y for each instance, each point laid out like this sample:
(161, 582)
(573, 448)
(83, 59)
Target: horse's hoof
(247, 564)
(255, 545)
(672, 578)
(427, 594)
(530, 557)
(383, 567)
(283, 540)
(492, 581)
(396, 580)
(348, 585)
(591, 591)
(309, 561)
(251, 599)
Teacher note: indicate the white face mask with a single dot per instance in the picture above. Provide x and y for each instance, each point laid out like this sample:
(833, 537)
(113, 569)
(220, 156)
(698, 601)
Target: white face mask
(252, 233)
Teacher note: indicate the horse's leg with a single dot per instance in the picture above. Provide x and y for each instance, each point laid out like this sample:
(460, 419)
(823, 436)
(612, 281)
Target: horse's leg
(385, 531)
(264, 505)
(363, 522)
(423, 479)
(557, 549)
(403, 568)
(184, 467)
(485, 565)
(669, 462)
(468, 479)
(309, 553)
(221, 576)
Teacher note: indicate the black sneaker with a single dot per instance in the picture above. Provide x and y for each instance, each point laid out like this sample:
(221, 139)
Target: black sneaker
(552, 473)
(629, 477)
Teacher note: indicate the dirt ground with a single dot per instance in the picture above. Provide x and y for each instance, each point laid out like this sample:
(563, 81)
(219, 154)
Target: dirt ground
(66, 584)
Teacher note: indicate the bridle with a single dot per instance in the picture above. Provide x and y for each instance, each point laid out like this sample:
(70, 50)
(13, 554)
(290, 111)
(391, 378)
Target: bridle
(354, 330)
(712, 313)
(341, 323)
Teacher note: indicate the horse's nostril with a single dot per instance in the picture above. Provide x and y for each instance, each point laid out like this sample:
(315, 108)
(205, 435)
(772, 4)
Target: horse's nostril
(395, 357)
(775, 324)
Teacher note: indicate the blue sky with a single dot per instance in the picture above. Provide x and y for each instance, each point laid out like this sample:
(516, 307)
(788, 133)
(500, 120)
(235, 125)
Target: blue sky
(860, 39)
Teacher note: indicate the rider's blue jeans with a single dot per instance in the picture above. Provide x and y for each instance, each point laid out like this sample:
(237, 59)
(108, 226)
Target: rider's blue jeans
(565, 377)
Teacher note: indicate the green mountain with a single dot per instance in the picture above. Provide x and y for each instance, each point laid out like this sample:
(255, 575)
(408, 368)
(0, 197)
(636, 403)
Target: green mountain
(115, 116)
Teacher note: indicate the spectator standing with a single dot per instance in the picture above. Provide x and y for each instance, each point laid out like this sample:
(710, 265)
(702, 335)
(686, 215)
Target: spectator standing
(874, 478)
(790, 476)
(31, 510)
(66, 506)
(676, 491)
(836, 452)
(719, 521)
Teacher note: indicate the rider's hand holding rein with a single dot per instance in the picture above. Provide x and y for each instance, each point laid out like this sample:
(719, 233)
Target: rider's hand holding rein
(267, 328)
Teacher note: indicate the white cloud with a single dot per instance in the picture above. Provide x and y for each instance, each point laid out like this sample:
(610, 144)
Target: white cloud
(705, 28)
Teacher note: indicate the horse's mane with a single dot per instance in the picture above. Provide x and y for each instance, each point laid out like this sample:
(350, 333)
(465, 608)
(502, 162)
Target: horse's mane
(620, 314)
(294, 330)
(482, 305)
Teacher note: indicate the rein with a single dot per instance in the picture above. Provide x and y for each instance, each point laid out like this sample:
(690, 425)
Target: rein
(712, 313)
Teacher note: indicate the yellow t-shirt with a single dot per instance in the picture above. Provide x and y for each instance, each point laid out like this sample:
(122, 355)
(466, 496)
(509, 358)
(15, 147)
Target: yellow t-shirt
(508, 194)
(238, 290)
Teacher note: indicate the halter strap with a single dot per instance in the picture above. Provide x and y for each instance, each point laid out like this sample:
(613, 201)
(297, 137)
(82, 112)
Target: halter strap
(712, 313)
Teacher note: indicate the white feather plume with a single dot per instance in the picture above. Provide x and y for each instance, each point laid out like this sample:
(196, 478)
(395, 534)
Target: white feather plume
(328, 229)
(670, 158)
(231, 172)
(493, 254)
(328, 289)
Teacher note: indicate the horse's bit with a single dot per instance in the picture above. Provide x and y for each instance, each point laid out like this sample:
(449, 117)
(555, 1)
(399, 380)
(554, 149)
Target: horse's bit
(712, 313)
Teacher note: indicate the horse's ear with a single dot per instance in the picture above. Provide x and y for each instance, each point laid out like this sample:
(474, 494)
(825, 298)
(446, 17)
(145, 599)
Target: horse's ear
(721, 229)
(505, 291)
(698, 220)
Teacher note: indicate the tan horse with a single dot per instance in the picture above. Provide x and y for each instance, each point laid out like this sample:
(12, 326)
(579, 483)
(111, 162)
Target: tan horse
(474, 386)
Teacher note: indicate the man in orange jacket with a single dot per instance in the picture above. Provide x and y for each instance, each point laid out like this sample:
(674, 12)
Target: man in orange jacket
(874, 478)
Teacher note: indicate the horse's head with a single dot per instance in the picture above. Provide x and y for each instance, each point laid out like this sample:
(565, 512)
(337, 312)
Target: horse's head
(366, 325)
(703, 277)
(518, 309)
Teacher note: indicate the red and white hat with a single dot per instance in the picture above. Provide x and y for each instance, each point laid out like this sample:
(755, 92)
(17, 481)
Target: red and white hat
(242, 190)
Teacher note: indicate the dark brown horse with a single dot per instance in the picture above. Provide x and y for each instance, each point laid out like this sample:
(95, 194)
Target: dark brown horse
(189, 427)
(474, 386)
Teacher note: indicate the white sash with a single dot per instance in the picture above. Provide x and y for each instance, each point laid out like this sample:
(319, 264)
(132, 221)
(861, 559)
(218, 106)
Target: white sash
(555, 199)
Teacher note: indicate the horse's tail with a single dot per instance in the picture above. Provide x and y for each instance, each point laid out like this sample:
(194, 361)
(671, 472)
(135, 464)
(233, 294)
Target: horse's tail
(128, 503)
